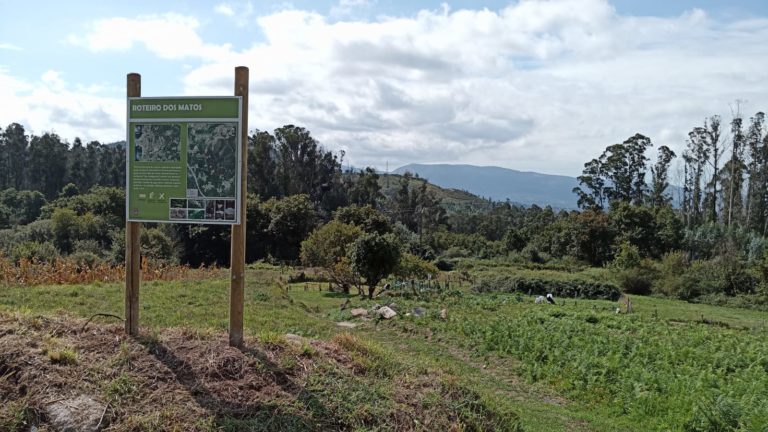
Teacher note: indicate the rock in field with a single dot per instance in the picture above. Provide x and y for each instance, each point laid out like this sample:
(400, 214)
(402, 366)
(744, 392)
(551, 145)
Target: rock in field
(386, 312)
(359, 312)
(418, 312)
(79, 414)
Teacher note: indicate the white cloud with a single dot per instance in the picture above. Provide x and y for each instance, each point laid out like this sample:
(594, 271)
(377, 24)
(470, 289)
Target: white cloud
(9, 46)
(224, 9)
(169, 36)
(52, 105)
(241, 13)
(538, 85)
(345, 8)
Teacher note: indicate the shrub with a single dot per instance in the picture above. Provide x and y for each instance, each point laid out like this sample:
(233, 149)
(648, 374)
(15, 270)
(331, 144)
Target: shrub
(627, 257)
(532, 254)
(723, 275)
(563, 286)
(637, 280)
(443, 264)
(85, 259)
(43, 252)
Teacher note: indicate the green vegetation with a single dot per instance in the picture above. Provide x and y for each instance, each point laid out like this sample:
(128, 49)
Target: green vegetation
(671, 365)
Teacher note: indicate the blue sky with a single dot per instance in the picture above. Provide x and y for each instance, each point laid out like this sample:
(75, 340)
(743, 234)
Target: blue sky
(532, 85)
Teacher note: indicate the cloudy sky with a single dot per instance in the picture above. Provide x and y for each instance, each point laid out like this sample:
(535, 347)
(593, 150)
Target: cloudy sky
(531, 85)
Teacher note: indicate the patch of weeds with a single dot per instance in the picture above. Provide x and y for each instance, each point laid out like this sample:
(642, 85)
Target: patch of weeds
(121, 388)
(14, 416)
(348, 402)
(260, 296)
(369, 357)
(124, 356)
(64, 356)
(307, 350)
(266, 421)
(339, 315)
(288, 362)
(475, 412)
(57, 354)
(268, 337)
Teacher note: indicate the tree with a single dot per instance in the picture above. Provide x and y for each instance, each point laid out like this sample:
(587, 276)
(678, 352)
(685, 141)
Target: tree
(591, 236)
(412, 267)
(365, 217)
(593, 179)
(733, 172)
(636, 225)
(366, 190)
(374, 257)
(77, 166)
(291, 220)
(48, 162)
(618, 175)
(327, 247)
(16, 148)
(659, 174)
(262, 165)
(757, 173)
(66, 229)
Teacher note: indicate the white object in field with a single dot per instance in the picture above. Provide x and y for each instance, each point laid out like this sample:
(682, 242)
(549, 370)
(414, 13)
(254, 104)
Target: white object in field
(540, 299)
(550, 299)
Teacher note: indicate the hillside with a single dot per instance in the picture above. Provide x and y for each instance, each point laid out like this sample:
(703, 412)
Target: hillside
(452, 199)
(500, 184)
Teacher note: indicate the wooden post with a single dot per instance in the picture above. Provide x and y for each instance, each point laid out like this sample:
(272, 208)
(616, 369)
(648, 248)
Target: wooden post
(132, 246)
(237, 258)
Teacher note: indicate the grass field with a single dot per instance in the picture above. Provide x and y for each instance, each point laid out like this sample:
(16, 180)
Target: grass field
(576, 366)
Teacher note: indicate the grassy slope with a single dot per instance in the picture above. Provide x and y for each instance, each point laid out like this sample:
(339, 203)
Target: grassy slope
(429, 344)
(451, 199)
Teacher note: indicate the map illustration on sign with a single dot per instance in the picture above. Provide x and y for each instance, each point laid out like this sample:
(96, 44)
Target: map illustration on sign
(211, 152)
(157, 142)
(183, 160)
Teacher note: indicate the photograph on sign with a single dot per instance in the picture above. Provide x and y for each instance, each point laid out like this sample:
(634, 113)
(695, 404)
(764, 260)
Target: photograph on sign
(183, 160)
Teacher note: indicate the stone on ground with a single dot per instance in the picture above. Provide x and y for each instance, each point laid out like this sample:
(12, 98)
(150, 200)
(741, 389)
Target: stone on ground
(386, 312)
(81, 414)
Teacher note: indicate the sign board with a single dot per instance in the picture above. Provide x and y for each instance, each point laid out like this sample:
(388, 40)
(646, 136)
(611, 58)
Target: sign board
(183, 160)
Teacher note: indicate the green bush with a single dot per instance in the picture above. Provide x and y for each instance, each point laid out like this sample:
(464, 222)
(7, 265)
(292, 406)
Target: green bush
(570, 286)
(627, 257)
(85, 259)
(43, 252)
(443, 264)
(722, 275)
(638, 280)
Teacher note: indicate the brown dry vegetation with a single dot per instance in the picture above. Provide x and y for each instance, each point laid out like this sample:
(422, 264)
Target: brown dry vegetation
(64, 271)
(181, 379)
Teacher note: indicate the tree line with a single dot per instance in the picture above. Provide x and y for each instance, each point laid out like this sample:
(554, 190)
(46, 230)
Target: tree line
(301, 201)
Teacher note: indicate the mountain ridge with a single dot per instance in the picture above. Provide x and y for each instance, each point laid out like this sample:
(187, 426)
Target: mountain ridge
(500, 184)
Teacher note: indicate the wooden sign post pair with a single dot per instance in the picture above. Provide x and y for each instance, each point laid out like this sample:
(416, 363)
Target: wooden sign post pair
(204, 203)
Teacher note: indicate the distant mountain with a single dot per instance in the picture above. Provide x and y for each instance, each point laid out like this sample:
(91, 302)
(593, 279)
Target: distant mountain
(500, 184)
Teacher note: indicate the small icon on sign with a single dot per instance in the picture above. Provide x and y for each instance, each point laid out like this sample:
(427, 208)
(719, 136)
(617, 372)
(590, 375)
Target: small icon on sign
(162, 196)
(151, 195)
(143, 196)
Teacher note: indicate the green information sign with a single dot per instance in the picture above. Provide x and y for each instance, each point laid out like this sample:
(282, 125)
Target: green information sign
(183, 160)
